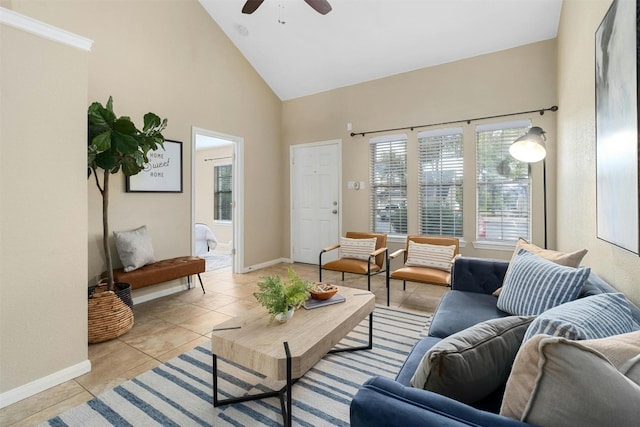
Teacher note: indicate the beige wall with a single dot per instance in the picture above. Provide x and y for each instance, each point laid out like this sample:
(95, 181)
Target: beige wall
(223, 230)
(576, 148)
(171, 58)
(43, 209)
(519, 79)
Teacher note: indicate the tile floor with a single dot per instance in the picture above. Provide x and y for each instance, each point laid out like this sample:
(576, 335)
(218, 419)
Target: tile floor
(169, 326)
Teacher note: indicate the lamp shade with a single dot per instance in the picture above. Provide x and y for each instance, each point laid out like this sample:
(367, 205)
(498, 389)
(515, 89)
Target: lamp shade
(531, 147)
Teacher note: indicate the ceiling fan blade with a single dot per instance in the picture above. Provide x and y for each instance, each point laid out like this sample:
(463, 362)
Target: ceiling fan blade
(321, 6)
(251, 5)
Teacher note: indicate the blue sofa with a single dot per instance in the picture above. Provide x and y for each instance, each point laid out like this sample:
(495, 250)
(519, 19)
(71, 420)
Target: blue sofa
(385, 402)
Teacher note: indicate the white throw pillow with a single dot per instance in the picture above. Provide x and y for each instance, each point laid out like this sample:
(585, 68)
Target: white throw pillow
(433, 256)
(134, 248)
(357, 248)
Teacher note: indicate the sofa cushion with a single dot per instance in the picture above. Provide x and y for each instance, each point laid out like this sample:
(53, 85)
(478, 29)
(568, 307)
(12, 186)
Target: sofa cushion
(533, 285)
(597, 316)
(471, 364)
(357, 248)
(476, 307)
(432, 256)
(569, 259)
(582, 381)
(134, 248)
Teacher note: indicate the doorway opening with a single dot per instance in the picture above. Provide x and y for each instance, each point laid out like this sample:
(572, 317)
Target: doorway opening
(216, 199)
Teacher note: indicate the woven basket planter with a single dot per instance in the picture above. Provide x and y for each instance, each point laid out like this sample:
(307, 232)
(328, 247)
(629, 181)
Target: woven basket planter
(110, 313)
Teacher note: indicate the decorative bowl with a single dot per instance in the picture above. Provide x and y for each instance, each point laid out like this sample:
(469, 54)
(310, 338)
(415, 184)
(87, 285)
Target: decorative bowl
(323, 291)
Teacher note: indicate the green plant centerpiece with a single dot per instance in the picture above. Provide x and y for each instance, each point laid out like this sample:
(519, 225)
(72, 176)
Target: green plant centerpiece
(280, 297)
(114, 144)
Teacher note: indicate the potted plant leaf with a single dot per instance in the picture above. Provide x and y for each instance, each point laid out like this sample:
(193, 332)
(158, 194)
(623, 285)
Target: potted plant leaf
(115, 144)
(281, 297)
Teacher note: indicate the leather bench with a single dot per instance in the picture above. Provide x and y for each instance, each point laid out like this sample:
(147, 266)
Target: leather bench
(161, 271)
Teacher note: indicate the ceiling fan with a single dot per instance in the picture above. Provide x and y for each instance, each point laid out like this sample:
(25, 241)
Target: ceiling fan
(321, 6)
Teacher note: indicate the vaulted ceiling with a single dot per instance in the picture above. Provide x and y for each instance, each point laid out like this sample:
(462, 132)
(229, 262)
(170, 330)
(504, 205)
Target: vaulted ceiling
(299, 52)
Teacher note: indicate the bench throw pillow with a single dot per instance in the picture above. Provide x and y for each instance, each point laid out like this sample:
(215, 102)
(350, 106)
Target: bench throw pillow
(432, 256)
(564, 383)
(569, 259)
(597, 316)
(469, 365)
(533, 285)
(357, 248)
(134, 248)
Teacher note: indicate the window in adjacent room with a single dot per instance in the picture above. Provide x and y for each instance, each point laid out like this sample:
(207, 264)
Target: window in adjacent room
(222, 192)
(388, 176)
(503, 184)
(440, 180)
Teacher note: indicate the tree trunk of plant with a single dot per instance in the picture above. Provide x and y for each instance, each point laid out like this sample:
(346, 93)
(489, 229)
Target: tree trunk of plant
(105, 229)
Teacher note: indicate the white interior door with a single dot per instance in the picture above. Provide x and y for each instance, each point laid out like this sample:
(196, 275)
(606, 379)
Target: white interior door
(315, 199)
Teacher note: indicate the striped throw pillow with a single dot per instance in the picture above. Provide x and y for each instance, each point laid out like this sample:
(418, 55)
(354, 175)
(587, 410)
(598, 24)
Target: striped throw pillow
(533, 285)
(598, 316)
(433, 256)
(357, 248)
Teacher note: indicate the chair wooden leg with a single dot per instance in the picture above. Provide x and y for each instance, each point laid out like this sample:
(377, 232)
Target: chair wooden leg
(343, 276)
(404, 285)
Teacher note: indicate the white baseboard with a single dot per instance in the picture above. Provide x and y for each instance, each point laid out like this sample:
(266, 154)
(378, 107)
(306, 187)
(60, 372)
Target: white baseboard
(267, 264)
(162, 292)
(44, 383)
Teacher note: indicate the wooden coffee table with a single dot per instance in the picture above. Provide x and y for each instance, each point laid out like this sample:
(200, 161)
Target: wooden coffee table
(286, 351)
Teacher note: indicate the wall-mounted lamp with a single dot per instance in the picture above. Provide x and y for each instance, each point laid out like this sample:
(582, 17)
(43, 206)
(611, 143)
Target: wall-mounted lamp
(531, 148)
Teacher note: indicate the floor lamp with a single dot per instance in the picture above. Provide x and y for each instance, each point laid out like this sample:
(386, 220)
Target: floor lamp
(531, 148)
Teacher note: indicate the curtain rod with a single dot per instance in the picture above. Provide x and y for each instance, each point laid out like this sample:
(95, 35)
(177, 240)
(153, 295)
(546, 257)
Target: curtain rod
(217, 158)
(468, 121)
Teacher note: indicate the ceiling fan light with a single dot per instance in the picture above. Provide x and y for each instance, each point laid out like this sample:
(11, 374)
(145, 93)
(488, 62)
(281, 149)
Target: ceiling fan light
(531, 147)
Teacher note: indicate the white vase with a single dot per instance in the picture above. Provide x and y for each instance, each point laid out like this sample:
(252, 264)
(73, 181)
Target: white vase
(283, 317)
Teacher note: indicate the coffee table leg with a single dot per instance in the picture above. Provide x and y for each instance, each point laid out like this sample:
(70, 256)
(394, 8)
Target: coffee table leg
(369, 346)
(286, 407)
(288, 415)
(215, 380)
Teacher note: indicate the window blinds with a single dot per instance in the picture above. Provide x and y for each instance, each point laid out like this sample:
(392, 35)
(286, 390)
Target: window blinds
(388, 180)
(441, 182)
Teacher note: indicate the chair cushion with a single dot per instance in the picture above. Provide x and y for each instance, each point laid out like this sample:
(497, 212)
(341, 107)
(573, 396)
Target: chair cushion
(597, 316)
(533, 285)
(357, 248)
(134, 248)
(560, 382)
(569, 259)
(432, 256)
(350, 265)
(469, 365)
(423, 275)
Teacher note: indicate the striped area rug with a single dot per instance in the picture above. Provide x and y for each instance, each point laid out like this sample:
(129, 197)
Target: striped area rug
(179, 392)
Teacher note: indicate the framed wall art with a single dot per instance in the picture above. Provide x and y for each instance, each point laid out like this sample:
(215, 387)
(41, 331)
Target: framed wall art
(616, 79)
(163, 173)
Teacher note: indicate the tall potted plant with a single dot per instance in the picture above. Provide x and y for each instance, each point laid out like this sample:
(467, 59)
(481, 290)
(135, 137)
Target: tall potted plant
(114, 144)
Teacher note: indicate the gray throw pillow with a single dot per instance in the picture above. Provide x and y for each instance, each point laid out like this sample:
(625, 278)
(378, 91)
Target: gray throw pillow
(533, 285)
(134, 248)
(597, 316)
(469, 365)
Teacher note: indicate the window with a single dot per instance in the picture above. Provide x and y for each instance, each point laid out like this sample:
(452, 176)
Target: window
(222, 193)
(503, 184)
(440, 198)
(388, 175)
